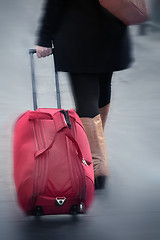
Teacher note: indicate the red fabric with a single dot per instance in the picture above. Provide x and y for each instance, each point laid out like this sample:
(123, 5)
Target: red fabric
(48, 164)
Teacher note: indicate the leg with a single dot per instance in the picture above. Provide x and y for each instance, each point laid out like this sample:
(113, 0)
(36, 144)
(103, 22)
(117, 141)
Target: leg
(85, 89)
(104, 96)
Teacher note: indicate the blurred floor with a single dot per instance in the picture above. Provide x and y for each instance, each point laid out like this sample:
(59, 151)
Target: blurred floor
(129, 208)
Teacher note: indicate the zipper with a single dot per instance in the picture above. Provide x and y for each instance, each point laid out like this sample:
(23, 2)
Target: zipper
(44, 158)
(36, 164)
(78, 173)
(74, 180)
(83, 188)
(39, 170)
(84, 162)
(80, 161)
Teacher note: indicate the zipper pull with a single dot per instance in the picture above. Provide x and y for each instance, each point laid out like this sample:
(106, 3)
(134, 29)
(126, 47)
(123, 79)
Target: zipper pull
(84, 162)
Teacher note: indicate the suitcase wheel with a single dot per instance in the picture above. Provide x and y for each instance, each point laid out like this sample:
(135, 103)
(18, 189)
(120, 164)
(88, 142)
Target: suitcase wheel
(38, 211)
(74, 210)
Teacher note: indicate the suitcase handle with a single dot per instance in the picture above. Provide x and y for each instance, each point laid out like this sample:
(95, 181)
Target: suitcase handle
(44, 115)
(48, 116)
(59, 125)
(38, 153)
(68, 134)
(40, 115)
(34, 92)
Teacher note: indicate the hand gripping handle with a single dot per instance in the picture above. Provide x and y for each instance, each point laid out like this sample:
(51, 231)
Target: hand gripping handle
(33, 51)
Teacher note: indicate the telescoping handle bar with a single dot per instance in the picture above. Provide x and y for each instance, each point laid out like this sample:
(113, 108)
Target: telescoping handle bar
(34, 92)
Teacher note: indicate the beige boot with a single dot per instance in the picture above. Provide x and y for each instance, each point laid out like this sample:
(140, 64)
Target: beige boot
(94, 131)
(104, 113)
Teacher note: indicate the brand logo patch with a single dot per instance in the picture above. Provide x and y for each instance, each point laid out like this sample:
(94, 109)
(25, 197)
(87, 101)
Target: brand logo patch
(60, 201)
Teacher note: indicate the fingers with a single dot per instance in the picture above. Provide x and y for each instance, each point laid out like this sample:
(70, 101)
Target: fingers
(43, 51)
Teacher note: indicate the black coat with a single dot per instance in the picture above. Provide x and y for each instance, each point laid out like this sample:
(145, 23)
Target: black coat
(86, 37)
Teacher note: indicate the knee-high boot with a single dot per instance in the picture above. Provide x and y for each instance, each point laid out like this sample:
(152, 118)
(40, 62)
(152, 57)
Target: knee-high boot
(94, 131)
(104, 113)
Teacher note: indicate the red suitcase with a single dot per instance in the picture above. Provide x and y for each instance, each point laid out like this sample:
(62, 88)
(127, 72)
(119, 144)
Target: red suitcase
(53, 168)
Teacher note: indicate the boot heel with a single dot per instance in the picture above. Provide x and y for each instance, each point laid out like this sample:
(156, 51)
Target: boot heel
(100, 182)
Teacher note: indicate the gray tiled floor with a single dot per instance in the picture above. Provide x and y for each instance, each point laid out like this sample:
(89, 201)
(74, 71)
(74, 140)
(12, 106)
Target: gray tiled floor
(129, 208)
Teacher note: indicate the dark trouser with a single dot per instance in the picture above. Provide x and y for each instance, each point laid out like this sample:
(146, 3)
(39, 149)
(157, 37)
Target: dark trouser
(90, 92)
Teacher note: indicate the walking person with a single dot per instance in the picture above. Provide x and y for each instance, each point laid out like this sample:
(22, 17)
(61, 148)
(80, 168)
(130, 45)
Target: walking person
(90, 44)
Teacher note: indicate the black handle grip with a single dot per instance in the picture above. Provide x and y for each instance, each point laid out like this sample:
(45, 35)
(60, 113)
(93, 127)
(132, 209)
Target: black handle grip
(33, 51)
(67, 118)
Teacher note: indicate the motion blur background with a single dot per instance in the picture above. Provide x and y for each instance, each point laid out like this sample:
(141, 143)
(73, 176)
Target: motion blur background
(129, 208)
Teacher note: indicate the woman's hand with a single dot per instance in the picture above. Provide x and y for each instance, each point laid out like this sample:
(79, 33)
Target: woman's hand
(43, 51)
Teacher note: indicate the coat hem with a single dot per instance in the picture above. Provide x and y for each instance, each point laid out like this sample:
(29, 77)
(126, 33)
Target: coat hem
(92, 69)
